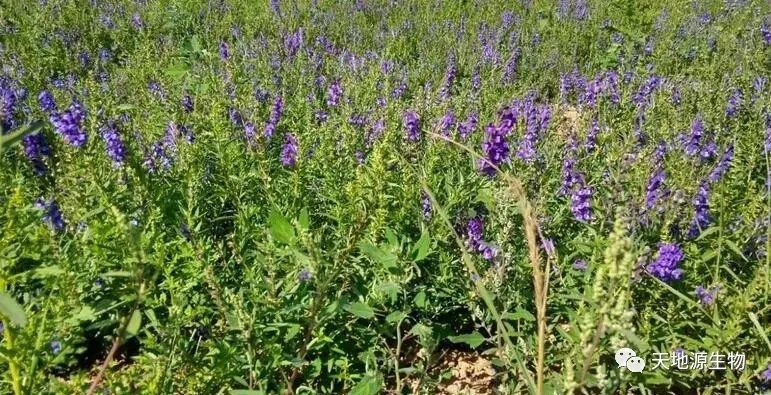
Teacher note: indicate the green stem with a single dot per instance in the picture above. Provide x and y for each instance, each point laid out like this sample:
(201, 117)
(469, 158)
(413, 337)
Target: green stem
(13, 366)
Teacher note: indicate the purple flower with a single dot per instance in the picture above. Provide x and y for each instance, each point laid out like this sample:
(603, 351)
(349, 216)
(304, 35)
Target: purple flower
(36, 149)
(449, 78)
(51, 214)
(56, 347)
(548, 246)
(187, 103)
(701, 218)
(707, 296)
(468, 126)
(275, 116)
(46, 101)
(722, 166)
(334, 93)
(399, 90)
(581, 12)
(115, 148)
(510, 70)
(136, 21)
(591, 136)
(235, 117)
(580, 265)
(289, 151)
(474, 229)
(655, 190)
(581, 204)
(293, 42)
(765, 375)
(250, 134)
(69, 124)
(668, 258)
(426, 207)
(765, 31)
(734, 103)
(476, 79)
(275, 5)
(156, 90)
(447, 123)
(495, 148)
(642, 97)
(694, 142)
(305, 275)
(411, 125)
(224, 51)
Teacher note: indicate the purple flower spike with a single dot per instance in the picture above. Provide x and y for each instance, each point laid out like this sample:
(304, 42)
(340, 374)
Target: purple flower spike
(69, 124)
(668, 258)
(412, 126)
(289, 151)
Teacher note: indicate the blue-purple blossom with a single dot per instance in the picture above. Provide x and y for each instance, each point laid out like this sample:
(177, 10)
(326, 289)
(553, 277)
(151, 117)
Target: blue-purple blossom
(116, 150)
(56, 347)
(722, 166)
(425, 204)
(655, 190)
(765, 32)
(449, 78)
(275, 116)
(69, 124)
(334, 93)
(46, 101)
(36, 149)
(591, 135)
(702, 217)
(707, 296)
(694, 142)
(51, 214)
(187, 103)
(447, 123)
(734, 103)
(495, 148)
(224, 50)
(250, 134)
(474, 232)
(581, 204)
(677, 97)
(136, 21)
(289, 151)
(305, 275)
(468, 126)
(666, 265)
(580, 265)
(510, 70)
(411, 125)
(399, 90)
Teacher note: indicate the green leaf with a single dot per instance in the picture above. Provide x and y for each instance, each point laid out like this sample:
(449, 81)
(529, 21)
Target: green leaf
(733, 247)
(420, 300)
(422, 246)
(117, 273)
(473, 339)
(134, 324)
(85, 314)
(304, 220)
(246, 392)
(48, 271)
(396, 316)
(385, 258)
(360, 310)
(369, 385)
(520, 314)
(280, 228)
(12, 310)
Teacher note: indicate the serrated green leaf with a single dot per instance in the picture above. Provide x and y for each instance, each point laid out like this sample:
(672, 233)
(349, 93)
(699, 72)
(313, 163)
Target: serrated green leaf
(360, 310)
(385, 258)
(280, 228)
(12, 310)
(396, 316)
(304, 219)
(473, 339)
(369, 385)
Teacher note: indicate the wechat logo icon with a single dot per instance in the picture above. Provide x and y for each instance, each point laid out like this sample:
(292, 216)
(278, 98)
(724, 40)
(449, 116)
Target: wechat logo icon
(627, 358)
